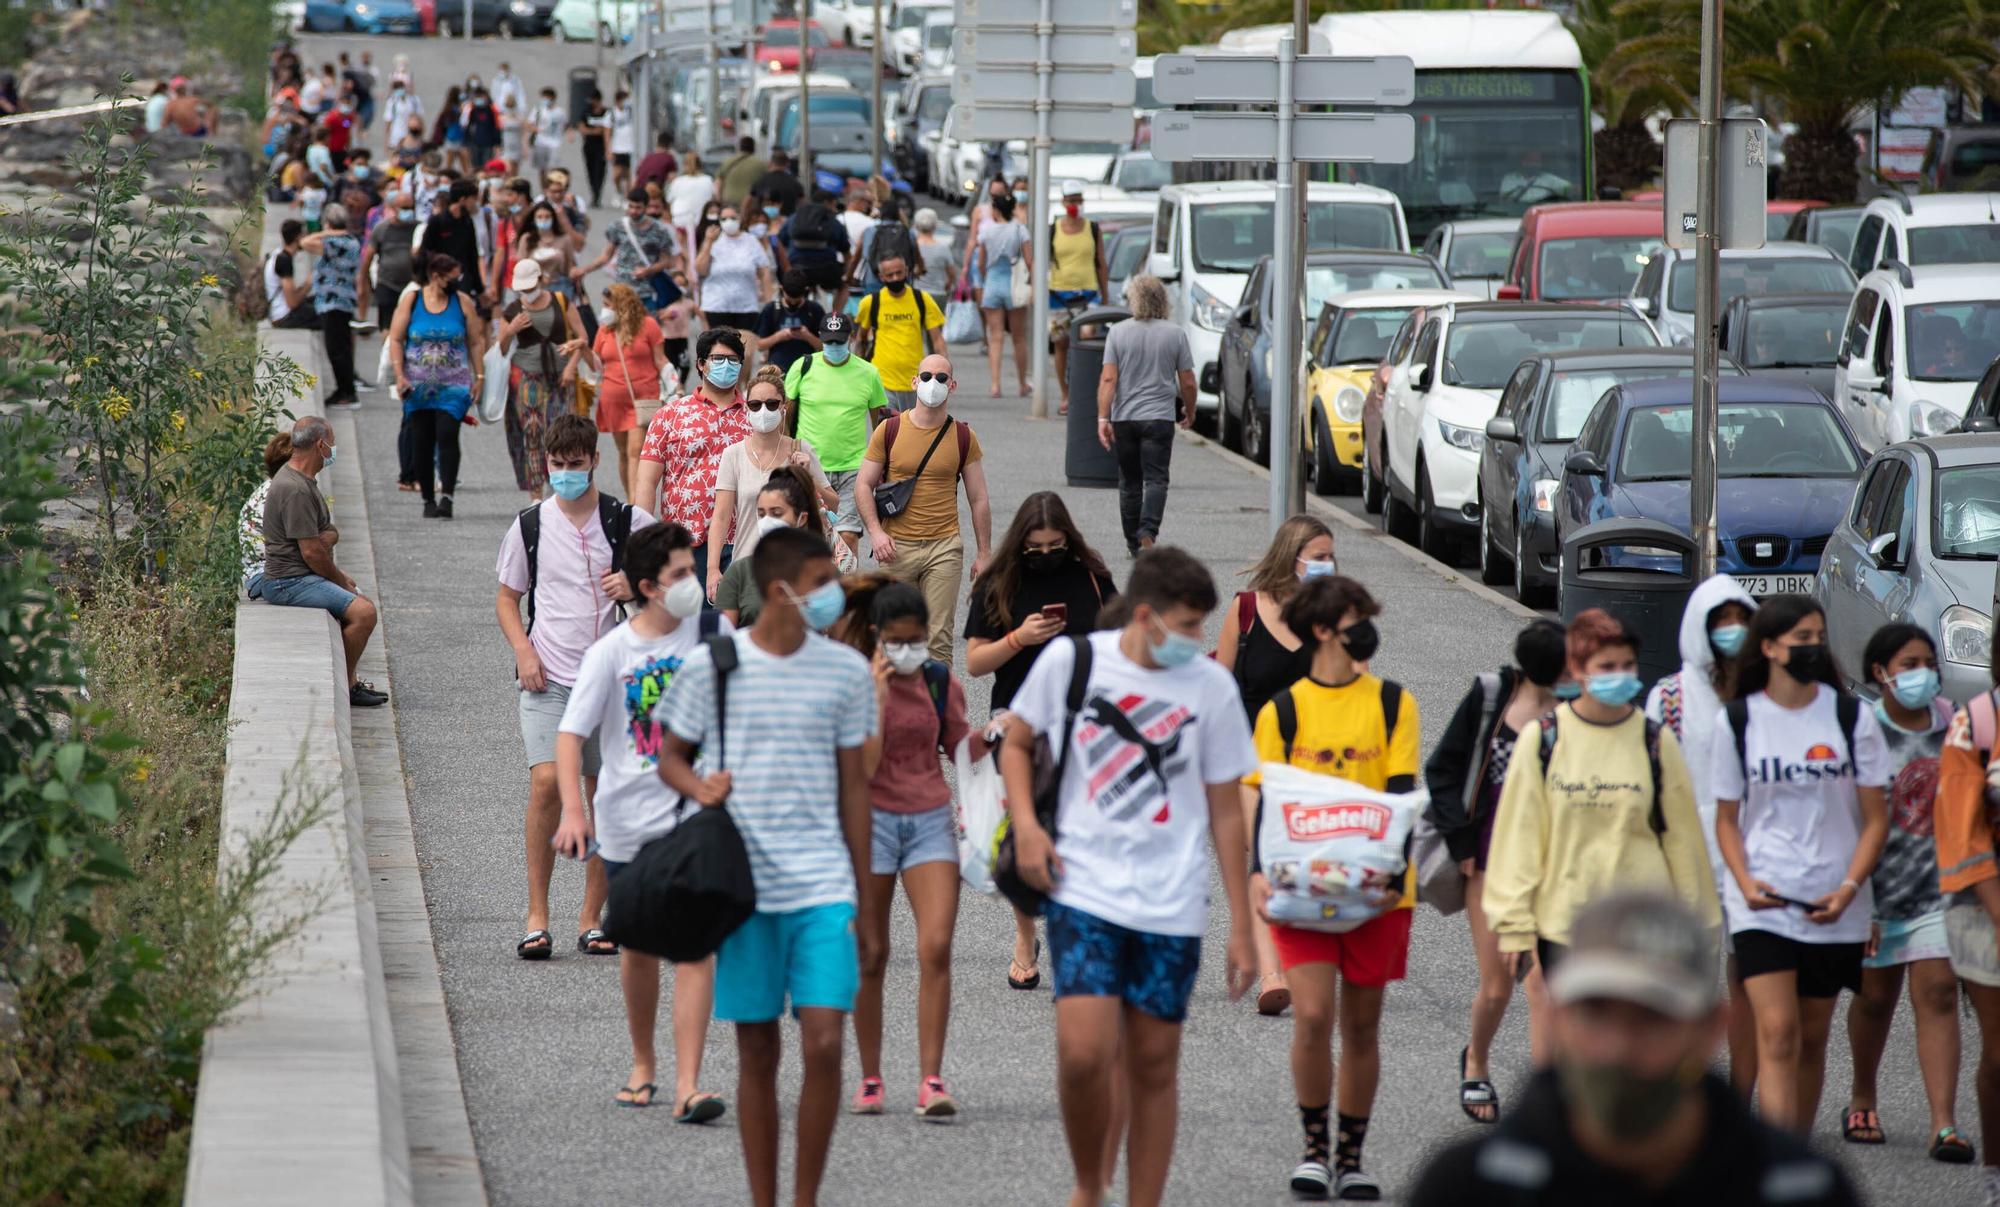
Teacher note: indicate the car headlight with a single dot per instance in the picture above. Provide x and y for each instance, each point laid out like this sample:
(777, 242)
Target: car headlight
(521, 7)
(1467, 438)
(1967, 634)
(1347, 404)
(1209, 310)
(1930, 419)
(362, 10)
(1545, 493)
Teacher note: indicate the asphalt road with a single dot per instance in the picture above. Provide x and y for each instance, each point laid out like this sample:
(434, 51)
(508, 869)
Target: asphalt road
(542, 1047)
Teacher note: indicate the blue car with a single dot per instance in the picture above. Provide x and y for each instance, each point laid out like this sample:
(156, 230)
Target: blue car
(363, 17)
(1785, 469)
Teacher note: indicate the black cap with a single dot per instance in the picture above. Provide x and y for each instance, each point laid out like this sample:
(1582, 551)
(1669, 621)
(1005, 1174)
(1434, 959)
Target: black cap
(835, 329)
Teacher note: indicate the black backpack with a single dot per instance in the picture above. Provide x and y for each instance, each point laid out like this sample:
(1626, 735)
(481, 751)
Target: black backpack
(895, 240)
(1847, 708)
(1051, 762)
(813, 227)
(613, 516)
(688, 890)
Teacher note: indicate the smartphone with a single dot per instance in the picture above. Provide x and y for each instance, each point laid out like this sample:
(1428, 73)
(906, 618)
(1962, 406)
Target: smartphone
(1794, 902)
(1058, 612)
(589, 851)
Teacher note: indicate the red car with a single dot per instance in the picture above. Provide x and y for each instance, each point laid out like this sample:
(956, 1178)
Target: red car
(777, 45)
(1581, 251)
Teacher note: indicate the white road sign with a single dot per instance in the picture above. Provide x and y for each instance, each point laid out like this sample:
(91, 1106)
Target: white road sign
(998, 122)
(1744, 182)
(1317, 137)
(1068, 14)
(1067, 48)
(988, 83)
(1186, 79)
(694, 14)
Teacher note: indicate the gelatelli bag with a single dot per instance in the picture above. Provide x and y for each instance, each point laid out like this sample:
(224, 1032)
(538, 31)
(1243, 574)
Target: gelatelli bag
(1333, 851)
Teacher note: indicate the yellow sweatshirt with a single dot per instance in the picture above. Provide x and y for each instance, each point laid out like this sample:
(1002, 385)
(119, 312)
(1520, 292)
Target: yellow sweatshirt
(1565, 837)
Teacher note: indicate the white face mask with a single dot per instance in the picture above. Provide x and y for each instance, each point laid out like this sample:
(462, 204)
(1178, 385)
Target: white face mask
(607, 317)
(904, 657)
(769, 524)
(683, 599)
(933, 393)
(730, 226)
(765, 420)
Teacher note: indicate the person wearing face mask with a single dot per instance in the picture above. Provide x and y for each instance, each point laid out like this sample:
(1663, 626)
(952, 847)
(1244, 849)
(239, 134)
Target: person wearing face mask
(1801, 816)
(637, 248)
(547, 124)
(593, 127)
(624, 674)
(787, 329)
(1465, 775)
(1146, 387)
(787, 499)
(793, 770)
(920, 543)
(689, 196)
(482, 131)
(403, 110)
(735, 270)
(899, 326)
(739, 174)
(436, 342)
(1078, 272)
(539, 238)
(542, 337)
(1149, 769)
(1001, 252)
(1713, 628)
(833, 394)
(1338, 720)
(1597, 797)
(388, 251)
(686, 440)
(750, 463)
(406, 147)
(1628, 1115)
(635, 376)
(1909, 922)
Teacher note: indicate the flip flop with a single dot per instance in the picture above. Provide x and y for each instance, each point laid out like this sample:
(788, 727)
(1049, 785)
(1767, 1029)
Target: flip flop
(593, 942)
(536, 945)
(1032, 980)
(1951, 1148)
(629, 1095)
(701, 1108)
(1863, 1127)
(1476, 1092)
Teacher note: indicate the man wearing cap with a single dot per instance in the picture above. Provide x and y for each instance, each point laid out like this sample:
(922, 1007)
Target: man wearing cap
(833, 393)
(1629, 1113)
(1078, 274)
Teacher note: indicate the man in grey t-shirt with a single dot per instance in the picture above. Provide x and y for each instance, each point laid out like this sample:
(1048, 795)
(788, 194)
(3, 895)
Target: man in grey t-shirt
(1146, 387)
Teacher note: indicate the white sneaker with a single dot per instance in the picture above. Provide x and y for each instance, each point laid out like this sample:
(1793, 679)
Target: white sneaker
(1310, 1179)
(1355, 1185)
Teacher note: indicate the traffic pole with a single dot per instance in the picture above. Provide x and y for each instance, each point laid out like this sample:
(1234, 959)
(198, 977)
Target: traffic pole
(1038, 216)
(805, 99)
(1290, 445)
(1281, 438)
(875, 60)
(710, 118)
(1708, 213)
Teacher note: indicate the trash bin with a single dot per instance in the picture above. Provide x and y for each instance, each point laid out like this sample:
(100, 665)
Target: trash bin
(1642, 572)
(1088, 463)
(582, 82)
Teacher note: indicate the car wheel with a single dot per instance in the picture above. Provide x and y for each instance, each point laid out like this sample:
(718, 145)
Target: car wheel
(1529, 587)
(1226, 429)
(1371, 482)
(505, 29)
(1398, 520)
(1327, 473)
(1492, 562)
(1256, 429)
(1430, 536)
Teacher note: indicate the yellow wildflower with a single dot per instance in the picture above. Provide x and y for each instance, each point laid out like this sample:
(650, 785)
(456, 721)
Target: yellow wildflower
(142, 769)
(179, 421)
(195, 373)
(116, 406)
(89, 361)
(211, 280)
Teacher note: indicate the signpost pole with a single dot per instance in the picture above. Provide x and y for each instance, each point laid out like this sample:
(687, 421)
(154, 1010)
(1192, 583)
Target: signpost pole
(875, 76)
(805, 99)
(597, 36)
(642, 109)
(1038, 210)
(1282, 436)
(1708, 216)
(1289, 442)
(709, 117)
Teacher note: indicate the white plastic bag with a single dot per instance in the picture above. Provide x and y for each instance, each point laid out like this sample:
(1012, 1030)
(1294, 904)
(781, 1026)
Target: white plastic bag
(1332, 849)
(962, 323)
(982, 805)
(493, 396)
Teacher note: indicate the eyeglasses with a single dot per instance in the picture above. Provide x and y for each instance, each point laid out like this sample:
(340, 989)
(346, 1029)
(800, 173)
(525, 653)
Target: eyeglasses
(719, 359)
(1058, 547)
(929, 376)
(759, 404)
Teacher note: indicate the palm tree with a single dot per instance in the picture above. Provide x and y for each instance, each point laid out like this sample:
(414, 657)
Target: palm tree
(1626, 83)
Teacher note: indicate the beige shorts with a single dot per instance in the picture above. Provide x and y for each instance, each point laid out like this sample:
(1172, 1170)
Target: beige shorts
(1968, 932)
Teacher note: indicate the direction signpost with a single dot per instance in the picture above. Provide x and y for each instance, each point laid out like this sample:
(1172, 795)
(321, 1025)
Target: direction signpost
(1046, 72)
(1284, 136)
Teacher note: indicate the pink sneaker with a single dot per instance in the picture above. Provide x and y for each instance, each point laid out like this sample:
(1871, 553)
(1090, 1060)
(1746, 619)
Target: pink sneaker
(934, 1102)
(868, 1099)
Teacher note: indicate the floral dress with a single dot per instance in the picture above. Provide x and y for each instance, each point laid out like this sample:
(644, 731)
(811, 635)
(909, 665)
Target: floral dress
(437, 360)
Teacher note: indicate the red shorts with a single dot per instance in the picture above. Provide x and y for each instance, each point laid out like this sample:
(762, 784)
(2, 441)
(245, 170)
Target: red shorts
(1371, 955)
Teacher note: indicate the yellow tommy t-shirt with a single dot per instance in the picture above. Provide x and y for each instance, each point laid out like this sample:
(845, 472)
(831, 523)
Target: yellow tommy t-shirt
(1342, 733)
(899, 333)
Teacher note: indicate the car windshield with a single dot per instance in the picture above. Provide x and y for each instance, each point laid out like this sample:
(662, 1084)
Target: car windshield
(935, 104)
(1975, 243)
(1325, 280)
(788, 35)
(855, 71)
(1597, 267)
(1480, 254)
(1363, 336)
(1835, 230)
(1968, 512)
(1752, 440)
(1482, 356)
(1572, 394)
(1128, 250)
(1229, 236)
(1952, 341)
(938, 36)
(913, 16)
(1757, 277)
(1143, 174)
(1791, 337)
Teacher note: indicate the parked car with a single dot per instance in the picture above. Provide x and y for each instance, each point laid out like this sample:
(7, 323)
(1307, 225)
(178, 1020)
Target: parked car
(1665, 290)
(1345, 350)
(777, 44)
(362, 17)
(936, 38)
(1541, 409)
(847, 22)
(1963, 157)
(766, 93)
(1779, 213)
(857, 67)
(1934, 228)
(1437, 402)
(845, 107)
(1138, 174)
(1916, 341)
(958, 166)
(507, 18)
(919, 120)
(1247, 358)
(1125, 255)
(1089, 162)
(1474, 251)
(577, 20)
(1785, 468)
(1830, 226)
(1918, 544)
(906, 33)
(1581, 251)
(1789, 336)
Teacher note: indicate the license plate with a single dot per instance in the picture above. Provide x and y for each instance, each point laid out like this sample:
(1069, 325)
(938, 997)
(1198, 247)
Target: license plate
(1760, 585)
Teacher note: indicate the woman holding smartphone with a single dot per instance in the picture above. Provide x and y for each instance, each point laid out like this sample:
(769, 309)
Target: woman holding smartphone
(1800, 819)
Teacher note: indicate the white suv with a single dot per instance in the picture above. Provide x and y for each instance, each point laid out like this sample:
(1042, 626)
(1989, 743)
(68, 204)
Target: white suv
(1915, 343)
(1665, 288)
(1936, 228)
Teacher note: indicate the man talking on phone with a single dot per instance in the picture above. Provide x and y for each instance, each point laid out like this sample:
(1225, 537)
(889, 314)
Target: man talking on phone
(1147, 386)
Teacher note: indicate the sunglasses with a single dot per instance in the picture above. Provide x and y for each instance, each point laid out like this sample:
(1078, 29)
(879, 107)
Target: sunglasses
(760, 404)
(929, 376)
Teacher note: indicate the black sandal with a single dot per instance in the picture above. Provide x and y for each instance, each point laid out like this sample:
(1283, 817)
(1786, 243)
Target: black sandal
(1476, 1092)
(1034, 979)
(536, 945)
(701, 1108)
(1863, 1126)
(593, 942)
(629, 1095)
(1951, 1148)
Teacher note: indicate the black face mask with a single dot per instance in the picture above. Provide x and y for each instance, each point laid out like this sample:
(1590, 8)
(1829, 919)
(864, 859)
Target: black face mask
(1361, 640)
(1809, 664)
(896, 287)
(1045, 561)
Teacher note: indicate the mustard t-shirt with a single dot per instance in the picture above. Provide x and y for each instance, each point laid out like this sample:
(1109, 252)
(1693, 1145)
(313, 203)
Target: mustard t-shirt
(899, 333)
(1342, 733)
(933, 511)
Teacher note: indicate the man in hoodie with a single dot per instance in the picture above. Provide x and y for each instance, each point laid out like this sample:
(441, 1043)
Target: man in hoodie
(1713, 629)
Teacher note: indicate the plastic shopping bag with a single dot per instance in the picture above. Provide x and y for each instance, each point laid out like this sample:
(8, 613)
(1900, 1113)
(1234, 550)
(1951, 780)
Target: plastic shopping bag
(982, 807)
(493, 394)
(962, 324)
(1332, 850)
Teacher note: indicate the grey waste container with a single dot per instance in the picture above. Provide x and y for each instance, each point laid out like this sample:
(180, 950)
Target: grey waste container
(1642, 572)
(1086, 462)
(582, 81)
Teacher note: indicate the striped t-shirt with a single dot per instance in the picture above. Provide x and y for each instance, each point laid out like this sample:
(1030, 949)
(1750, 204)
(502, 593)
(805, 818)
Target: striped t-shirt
(787, 717)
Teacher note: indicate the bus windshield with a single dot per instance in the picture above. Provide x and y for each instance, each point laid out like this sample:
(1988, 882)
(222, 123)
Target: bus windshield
(1490, 143)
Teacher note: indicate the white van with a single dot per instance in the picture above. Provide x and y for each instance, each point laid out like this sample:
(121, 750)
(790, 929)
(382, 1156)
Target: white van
(1207, 236)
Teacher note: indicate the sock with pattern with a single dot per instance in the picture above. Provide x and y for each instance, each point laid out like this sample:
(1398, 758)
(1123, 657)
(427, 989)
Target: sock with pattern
(1313, 1118)
(1353, 1130)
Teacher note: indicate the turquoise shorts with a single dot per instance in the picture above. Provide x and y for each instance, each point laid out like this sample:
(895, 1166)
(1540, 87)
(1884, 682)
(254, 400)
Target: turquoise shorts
(807, 955)
(1911, 939)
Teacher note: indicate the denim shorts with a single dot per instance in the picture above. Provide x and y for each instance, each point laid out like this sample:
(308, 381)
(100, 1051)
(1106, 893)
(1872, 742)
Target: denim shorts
(904, 840)
(843, 484)
(541, 714)
(1095, 958)
(807, 955)
(305, 591)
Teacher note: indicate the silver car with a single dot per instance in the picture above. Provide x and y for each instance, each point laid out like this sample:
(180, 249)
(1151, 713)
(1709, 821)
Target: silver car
(1918, 544)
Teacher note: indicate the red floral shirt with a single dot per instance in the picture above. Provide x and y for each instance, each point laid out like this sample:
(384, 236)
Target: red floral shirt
(687, 436)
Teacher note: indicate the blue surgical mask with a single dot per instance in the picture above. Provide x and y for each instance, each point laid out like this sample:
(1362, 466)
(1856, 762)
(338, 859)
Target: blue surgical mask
(406, 215)
(821, 606)
(770, 211)
(1616, 688)
(1568, 689)
(1915, 688)
(835, 353)
(569, 483)
(1173, 649)
(361, 171)
(330, 453)
(723, 373)
(1309, 571)
(1728, 638)
(1021, 198)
